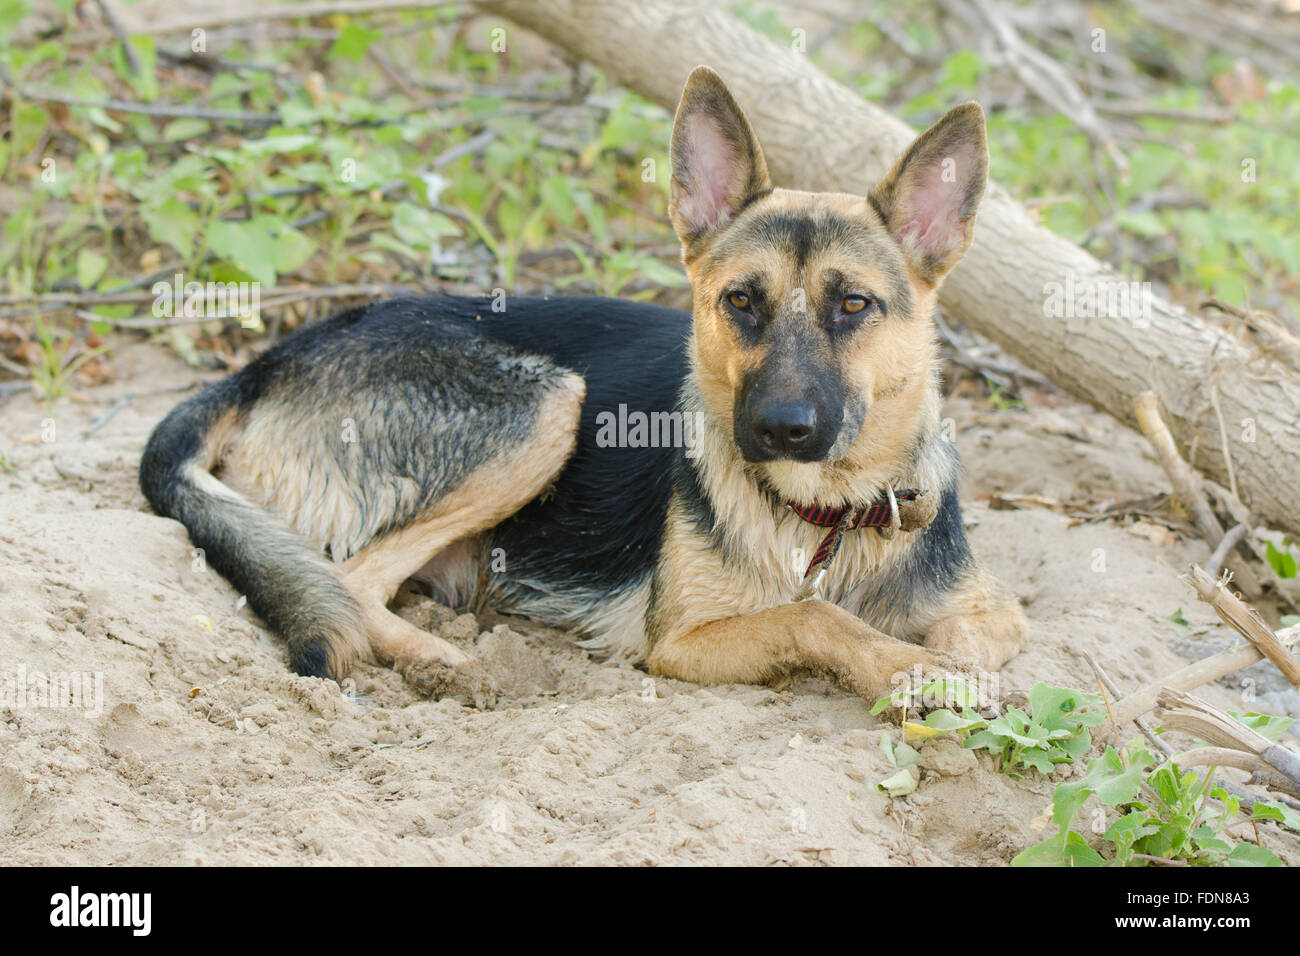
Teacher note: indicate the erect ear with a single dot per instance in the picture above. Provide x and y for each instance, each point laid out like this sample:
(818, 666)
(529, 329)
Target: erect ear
(717, 164)
(929, 198)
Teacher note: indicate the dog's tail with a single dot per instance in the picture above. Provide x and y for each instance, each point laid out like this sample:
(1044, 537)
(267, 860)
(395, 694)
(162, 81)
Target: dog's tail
(287, 581)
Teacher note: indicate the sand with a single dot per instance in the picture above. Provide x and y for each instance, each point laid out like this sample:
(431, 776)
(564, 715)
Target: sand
(204, 749)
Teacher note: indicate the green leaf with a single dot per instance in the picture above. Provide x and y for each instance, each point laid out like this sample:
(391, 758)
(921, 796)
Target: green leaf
(1146, 224)
(898, 785)
(1072, 851)
(946, 720)
(1268, 810)
(11, 11)
(185, 128)
(1114, 783)
(1282, 562)
(420, 227)
(292, 249)
(1247, 854)
(353, 43)
(1268, 725)
(247, 245)
(1131, 826)
(279, 145)
(172, 222)
(90, 268)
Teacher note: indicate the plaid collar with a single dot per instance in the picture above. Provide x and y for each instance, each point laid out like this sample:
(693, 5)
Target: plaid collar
(881, 513)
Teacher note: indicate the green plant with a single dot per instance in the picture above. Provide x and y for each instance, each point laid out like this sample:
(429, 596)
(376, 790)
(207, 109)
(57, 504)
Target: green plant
(1164, 818)
(1282, 560)
(1053, 730)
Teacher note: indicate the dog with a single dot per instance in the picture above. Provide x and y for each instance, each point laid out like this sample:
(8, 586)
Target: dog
(790, 509)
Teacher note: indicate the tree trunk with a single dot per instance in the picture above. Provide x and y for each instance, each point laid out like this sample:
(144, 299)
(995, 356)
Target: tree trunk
(818, 135)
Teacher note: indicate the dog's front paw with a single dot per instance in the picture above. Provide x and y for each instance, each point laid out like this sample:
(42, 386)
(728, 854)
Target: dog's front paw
(943, 682)
(467, 681)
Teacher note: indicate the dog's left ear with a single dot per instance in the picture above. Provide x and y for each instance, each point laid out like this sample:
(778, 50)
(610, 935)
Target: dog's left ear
(717, 163)
(929, 198)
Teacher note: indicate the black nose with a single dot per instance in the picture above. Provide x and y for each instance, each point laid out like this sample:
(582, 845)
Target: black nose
(786, 428)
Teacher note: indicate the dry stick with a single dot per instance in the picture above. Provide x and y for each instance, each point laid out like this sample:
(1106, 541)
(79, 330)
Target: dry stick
(1219, 757)
(1196, 675)
(1232, 743)
(1245, 620)
(295, 11)
(1187, 483)
(1223, 440)
(109, 9)
(1241, 514)
(1142, 723)
(150, 109)
(1220, 553)
(274, 298)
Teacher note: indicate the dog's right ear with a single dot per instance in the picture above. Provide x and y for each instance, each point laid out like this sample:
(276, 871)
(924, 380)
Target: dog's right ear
(717, 164)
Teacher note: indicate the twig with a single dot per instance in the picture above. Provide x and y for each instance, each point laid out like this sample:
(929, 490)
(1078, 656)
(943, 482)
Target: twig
(150, 109)
(1141, 722)
(1232, 743)
(1223, 440)
(1220, 553)
(1246, 621)
(108, 9)
(105, 418)
(273, 298)
(1126, 108)
(1195, 675)
(294, 11)
(125, 400)
(1219, 757)
(1186, 482)
(1045, 78)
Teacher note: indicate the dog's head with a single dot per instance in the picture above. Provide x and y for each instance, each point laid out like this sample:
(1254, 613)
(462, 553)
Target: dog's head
(812, 311)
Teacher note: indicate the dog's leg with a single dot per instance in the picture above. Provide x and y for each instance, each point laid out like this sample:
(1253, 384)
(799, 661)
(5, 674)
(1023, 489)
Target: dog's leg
(490, 494)
(983, 624)
(807, 637)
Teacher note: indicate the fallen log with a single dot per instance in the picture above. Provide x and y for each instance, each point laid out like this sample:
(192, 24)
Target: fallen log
(1020, 285)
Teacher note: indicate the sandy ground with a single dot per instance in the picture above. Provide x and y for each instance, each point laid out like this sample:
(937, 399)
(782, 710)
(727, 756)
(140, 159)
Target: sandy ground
(205, 749)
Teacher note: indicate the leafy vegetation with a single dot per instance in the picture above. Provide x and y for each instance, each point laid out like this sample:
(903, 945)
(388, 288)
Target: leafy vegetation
(322, 170)
(1164, 817)
(1164, 814)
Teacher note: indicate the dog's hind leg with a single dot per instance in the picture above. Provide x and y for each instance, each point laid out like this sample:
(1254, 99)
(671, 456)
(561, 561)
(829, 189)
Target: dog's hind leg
(489, 494)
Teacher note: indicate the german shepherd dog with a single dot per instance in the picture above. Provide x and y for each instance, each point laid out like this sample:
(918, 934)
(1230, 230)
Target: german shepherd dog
(801, 518)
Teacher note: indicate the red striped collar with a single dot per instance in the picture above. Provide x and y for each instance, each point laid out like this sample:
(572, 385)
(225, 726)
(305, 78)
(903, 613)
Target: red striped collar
(881, 513)
(874, 515)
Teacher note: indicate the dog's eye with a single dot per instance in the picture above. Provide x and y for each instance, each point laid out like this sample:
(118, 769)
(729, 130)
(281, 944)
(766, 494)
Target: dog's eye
(739, 301)
(854, 304)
